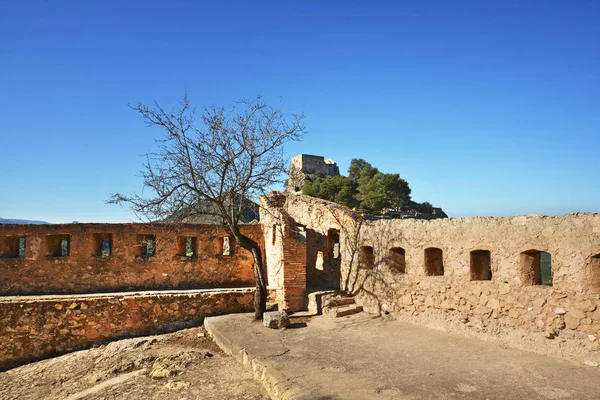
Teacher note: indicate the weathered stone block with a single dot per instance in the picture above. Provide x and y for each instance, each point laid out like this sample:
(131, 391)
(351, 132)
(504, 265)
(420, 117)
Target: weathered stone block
(578, 314)
(494, 304)
(571, 322)
(276, 319)
(407, 300)
(481, 310)
(483, 299)
(429, 302)
(585, 305)
(447, 305)
(504, 289)
(539, 302)
(558, 322)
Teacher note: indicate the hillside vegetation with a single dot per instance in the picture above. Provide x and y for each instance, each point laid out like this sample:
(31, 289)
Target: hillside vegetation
(365, 188)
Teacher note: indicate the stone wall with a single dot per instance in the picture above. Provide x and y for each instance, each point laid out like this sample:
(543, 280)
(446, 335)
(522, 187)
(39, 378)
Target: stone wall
(44, 269)
(483, 273)
(36, 328)
(486, 274)
(285, 249)
(465, 249)
(303, 243)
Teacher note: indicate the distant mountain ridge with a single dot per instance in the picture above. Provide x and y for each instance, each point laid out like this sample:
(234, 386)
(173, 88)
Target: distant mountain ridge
(22, 221)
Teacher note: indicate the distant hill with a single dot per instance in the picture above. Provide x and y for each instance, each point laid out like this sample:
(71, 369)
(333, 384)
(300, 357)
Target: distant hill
(21, 221)
(208, 214)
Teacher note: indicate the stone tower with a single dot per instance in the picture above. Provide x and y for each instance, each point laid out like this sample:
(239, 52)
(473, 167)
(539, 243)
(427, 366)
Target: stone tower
(305, 165)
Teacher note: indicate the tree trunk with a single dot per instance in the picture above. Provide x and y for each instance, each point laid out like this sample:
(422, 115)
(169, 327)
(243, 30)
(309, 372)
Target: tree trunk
(260, 295)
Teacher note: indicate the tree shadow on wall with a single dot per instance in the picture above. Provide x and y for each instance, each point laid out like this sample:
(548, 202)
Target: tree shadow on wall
(377, 279)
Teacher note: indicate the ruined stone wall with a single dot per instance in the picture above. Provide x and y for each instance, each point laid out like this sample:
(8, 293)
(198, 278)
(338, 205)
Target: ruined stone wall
(311, 227)
(391, 266)
(42, 269)
(462, 287)
(285, 249)
(36, 328)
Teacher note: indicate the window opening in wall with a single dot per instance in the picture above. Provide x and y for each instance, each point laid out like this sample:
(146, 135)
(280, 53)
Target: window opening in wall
(481, 265)
(226, 246)
(397, 260)
(274, 238)
(366, 257)
(64, 248)
(301, 232)
(546, 267)
(10, 247)
(593, 273)
(333, 243)
(146, 245)
(150, 247)
(536, 268)
(22, 243)
(103, 244)
(319, 263)
(189, 247)
(105, 249)
(434, 262)
(58, 245)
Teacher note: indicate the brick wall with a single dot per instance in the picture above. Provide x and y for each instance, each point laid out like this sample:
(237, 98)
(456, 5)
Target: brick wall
(286, 254)
(294, 269)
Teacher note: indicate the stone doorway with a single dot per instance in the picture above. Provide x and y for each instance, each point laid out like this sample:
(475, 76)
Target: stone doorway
(323, 259)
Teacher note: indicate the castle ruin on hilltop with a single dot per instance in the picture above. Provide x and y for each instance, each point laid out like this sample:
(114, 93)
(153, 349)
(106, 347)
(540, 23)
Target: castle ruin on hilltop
(304, 165)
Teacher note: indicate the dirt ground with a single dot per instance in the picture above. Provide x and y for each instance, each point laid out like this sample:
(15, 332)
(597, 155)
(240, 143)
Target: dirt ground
(181, 365)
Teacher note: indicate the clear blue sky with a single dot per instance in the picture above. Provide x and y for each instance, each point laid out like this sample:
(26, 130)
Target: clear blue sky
(485, 108)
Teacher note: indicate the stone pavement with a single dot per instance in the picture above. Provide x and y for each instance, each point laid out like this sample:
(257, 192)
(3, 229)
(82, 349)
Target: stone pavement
(366, 357)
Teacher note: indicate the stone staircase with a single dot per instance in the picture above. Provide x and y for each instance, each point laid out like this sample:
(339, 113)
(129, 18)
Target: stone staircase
(332, 303)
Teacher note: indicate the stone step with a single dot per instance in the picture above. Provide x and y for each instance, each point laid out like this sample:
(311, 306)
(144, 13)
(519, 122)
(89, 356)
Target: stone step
(318, 299)
(343, 311)
(338, 301)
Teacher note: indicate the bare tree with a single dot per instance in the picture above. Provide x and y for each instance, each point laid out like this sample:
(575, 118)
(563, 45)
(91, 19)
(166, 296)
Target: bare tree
(222, 158)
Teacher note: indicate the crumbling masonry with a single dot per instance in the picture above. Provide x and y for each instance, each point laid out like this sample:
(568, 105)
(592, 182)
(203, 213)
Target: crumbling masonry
(68, 286)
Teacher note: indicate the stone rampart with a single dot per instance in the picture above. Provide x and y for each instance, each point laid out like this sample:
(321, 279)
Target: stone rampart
(540, 273)
(535, 275)
(96, 258)
(36, 328)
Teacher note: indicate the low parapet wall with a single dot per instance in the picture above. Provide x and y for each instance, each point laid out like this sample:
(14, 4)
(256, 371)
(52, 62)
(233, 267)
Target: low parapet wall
(46, 326)
(533, 274)
(500, 250)
(93, 258)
